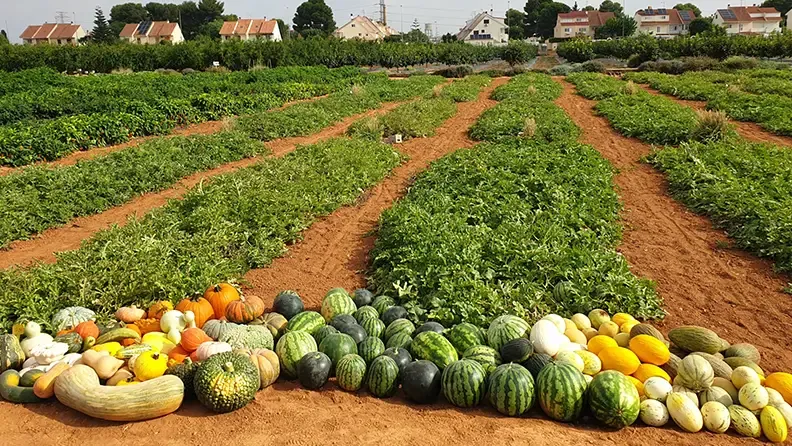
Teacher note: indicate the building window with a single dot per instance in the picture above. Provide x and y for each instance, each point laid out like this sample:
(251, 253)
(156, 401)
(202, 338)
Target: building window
(486, 21)
(675, 28)
(583, 30)
(658, 30)
(353, 25)
(567, 30)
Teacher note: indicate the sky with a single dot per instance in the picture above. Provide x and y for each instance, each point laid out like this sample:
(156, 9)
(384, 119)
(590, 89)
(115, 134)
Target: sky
(444, 15)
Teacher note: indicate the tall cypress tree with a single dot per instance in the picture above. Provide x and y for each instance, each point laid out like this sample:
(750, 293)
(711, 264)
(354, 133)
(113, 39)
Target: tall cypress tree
(101, 32)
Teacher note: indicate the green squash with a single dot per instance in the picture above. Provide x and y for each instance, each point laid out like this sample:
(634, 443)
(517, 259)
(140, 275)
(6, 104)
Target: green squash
(73, 340)
(11, 354)
(226, 382)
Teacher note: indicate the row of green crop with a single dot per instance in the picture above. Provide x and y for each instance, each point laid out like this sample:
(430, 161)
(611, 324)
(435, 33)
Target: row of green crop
(238, 55)
(39, 198)
(772, 111)
(495, 229)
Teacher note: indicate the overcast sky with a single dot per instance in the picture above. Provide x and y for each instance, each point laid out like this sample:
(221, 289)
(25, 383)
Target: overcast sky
(449, 15)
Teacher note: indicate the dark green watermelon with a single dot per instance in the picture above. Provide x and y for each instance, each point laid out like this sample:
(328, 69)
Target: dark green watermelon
(336, 346)
(613, 399)
(342, 320)
(562, 292)
(434, 347)
(309, 321)
(535, 363)
(313, 370)
(484, 355)
(383, 377)
(362, 297)
(365, 312)
(393, 313)
(421, 381)
(399, 340)
(288, 303)
(373, 327)
(370, 348)
(464, 383)
(511, 389)
(382, 303)
(505, 328)
(351, 372)
(561, 390)
(429, 326)
(399, 326)
(357, 332)
(463, 336)
(516, 350)
(323, 332)
(400, 355)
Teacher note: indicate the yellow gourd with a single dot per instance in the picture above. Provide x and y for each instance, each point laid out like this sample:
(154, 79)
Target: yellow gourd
(649, 349)
(619, 358)
(110, 347)
(627, 326)
(782, 382)
(127, 382)
(150, 365)
(44, 387)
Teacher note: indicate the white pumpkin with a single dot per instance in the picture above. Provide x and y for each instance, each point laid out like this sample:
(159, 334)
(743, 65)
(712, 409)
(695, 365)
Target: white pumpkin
(174, 322)
(48, 353)
(654, 413)
(657, 388)
(581, 321)
(716, 417)
(684, 412)
(208, 349)
(546, 338)
(753, 396)
(557, 320)
(33, 338)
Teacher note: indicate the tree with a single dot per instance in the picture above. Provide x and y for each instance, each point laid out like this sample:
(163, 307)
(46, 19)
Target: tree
(4, 38)
(448, 38)
(532, 10)
(576, 7)
(163, 11)
(125, 13)
(315, 15)
(284, 30)
(688, 7)
(616, 27)
(611, 6)
(701, 25)
(415, 25)
(515, 20)
(518, 53)
(589, 8)
(210, 10)
(548, 17)
(101, 33)
(415, 36)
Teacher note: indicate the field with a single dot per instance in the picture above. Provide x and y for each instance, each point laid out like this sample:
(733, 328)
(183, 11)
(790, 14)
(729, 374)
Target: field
(526, 195)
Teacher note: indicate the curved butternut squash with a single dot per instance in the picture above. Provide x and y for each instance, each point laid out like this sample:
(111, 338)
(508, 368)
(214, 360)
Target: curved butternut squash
(44, 387)
(79, 388)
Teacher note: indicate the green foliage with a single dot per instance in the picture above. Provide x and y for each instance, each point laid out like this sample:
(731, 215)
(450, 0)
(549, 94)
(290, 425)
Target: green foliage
(4, 38)
(700, 25)
(314, 15)
(616, 26)
(418, 118)
(466, 89)
(611, 6)
(518, 53)
(101, 32)
(515, 20)
(596, 86)
(576, 50)
(532, 9)
(192, 17)
(548, 16)
(528, 84)
(652, 119)
(688, 7)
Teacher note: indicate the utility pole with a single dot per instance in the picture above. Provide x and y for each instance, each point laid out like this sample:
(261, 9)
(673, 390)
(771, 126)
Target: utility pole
(60, 16)
(383, 13)
(401, 11)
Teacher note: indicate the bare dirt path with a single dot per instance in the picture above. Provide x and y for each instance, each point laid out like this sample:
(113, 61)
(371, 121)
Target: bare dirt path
(44, 246)
(748, 130)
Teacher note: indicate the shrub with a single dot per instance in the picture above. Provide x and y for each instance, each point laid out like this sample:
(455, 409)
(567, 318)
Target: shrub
(455, 72)
(739, 63)
(591, 66)
(711, 126)
(576, 50)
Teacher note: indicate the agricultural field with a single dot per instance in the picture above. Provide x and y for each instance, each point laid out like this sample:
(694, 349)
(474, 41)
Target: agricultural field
(507, 253)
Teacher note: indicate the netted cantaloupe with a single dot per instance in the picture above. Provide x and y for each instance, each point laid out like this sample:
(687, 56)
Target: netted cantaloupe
(721, 369)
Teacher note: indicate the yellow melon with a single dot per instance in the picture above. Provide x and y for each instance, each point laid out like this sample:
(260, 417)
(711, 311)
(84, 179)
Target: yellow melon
(621, 318)
(619, 358)
(646, 371)
(599, 342)
(781, 382)
(650, 349)
(609, 329)
(638, 385)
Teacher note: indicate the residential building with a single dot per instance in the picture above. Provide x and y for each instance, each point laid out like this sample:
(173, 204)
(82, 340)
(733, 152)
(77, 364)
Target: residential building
(251, 29)
(579, 23)
(485, 29)
(53, 33)
(663, 23)
(789, 19)
(748, 20)
(150, 33)
(362, 27)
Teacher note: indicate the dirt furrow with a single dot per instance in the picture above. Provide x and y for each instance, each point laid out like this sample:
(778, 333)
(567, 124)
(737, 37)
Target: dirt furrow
(44, 246)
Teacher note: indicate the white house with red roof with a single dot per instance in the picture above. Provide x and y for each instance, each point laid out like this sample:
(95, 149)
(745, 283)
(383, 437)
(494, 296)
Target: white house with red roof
(150, 33)
(663, 23)
(251, 29)
(53, 33)
(579, 23)
(748, 20)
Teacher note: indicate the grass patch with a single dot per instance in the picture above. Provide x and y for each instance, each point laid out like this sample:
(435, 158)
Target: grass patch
(596, 86)
(467, 89)
(652, 119)
(527, 85)
(538, 119)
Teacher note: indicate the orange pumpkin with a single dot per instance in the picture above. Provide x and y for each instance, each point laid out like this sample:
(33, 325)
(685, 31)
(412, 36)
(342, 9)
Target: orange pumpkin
(219, 296)
(128, 341)
(178, 354)
(191, 338)
(157, 309)
(86, 329)
(63, 332)
(245, 309)
(200, 307)
(194, 356)
(148, 325)
(134, 328)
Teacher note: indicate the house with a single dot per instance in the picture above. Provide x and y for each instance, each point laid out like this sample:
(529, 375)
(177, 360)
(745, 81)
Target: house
(149, 33)
(789, 19)
(663, 23)
(53, 33)
(579, 23)
(484, 29)
(362, 27)
(251, 29)
(748, 20)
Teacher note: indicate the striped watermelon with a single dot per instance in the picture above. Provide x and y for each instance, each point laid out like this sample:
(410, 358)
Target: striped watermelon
(292, 346)
(309, 321)
(370, 348)
(383, 377)
(351, 372)
(434, 347)
(337, 301)
(323, 332)
(562, 292)
(382, 303)
(464, 383)
(613, 399)
(374, 327)
(365, 312)
(517, 350)
(511, 389)
(505, 328)
(484, 355)
(402, 340)
(561, 390)
(463, 336)
(399, 326)
(336, 346)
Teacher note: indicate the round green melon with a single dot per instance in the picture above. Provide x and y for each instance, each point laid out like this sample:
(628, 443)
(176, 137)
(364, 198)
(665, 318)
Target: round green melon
(227, 381)
(536, 362)
(463, 336)
(336, 346)
(292, 346)
(613, 399)
(370, 348)
(308, 321)
(434, 347)
(464, 383)
(516, 350)
(382, 303)
(351, 372)
(399, 340)
(365, 312)
(336, 302)
(383, 377)
(373, 327)
(561, 389)
(399, 326)
(323, 332)
(505, 328)
(511, 389)
(484, 355)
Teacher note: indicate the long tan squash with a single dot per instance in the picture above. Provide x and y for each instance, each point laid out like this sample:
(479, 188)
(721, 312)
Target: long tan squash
(79, 388)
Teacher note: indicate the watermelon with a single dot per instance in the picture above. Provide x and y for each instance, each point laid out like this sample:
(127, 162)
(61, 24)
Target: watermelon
(370, 348)
(323, 332)
(337, 301)
(511, 389)
(342, 320)
(351, 372)
(561, 389)
(434, 347)
(393, 313)
(374, 327)
(288, 303)
(382, 303)
(383, 377)
(536, 362)
(362, 297)
(463, 336)
(313, 370)
(365, 312)
(421, 381)
(292, 346)
(484, 355)
(505, 328)
(309, 321)
(357, 332)
(400, 355)
(562, 292)
(613, 399)
(429, 326)
(336, 346)
(399, 340)
(516, 350)
(464, 383)
(399, 326)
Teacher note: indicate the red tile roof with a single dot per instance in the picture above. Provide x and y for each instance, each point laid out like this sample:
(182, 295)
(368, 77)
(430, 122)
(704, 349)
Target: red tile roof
(29, 32)
(156, 29)
(227, 29)
(743, 14)
(268, 27)
(574, 15)
(597, 18)
(50, 31)
(64, 31)
(129, 30)
(251, 27)
(45, 30)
